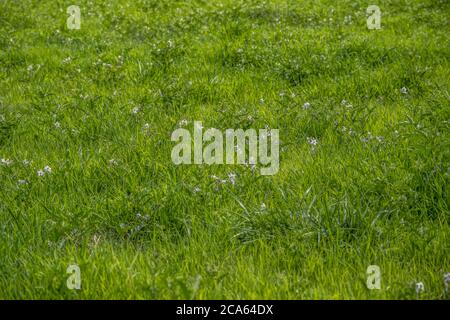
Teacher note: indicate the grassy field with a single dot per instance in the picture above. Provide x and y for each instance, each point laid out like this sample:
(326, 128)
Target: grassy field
(86, 176)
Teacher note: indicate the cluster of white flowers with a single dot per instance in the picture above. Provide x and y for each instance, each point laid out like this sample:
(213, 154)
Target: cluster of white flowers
(370, 137)
(231, 178)
(7, 162)
(306, 106)
(43, 172)
(346, 104)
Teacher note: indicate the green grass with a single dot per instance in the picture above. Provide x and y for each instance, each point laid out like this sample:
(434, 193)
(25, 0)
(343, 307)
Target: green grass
(375, 190)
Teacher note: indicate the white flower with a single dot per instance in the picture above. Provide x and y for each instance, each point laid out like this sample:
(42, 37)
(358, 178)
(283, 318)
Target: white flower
(30, 67)
(135, 110)
(263, 206)
(48, 169)
(67, 60)
(282, 94)
(183, 123)
(23, 182)
(306, 105)
(57, 125)
(312, 141)
(40, 173)
(196, 190)
(344, 102)
(113, 162)
(404, 90)
(7, 162)
(419, 287)
(261, 101)
(146, 126)
(26, 162)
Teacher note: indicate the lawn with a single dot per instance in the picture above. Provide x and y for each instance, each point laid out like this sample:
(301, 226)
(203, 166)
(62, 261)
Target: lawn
(87, 179)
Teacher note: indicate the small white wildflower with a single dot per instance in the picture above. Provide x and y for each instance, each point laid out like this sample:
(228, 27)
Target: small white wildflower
(30, 67)
(293, 95)
(57, 125)
(344, 102)
(113, 162)
(67, 60)
(48, 169)
(183, 123)
(215, 177)
(196, 190)
(306, 106)
(146, 126)
(26, 162)
(40, 173)
(261, 101)
(282, 94)
(404, 90)
(135, 110)
(263, 206)
(23, 182)
(138, 216)
(312, 141)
